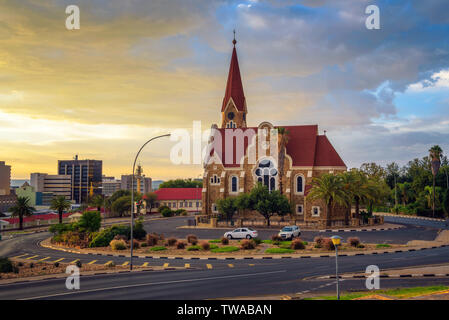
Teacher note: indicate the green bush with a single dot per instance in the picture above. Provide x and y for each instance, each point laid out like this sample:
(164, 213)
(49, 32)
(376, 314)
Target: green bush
(257, 241)
(90, 221)
(166, 212)
(224, 241)
(6, 265)
(225, 249)
(138, 230)
(118, 245)
(60, 228)
(104, 237)
(161, 208)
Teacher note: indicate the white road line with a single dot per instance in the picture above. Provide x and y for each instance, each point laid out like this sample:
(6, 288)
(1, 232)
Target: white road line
(152, 283)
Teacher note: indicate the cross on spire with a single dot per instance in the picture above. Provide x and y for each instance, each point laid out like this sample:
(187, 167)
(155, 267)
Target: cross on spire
(234, 41)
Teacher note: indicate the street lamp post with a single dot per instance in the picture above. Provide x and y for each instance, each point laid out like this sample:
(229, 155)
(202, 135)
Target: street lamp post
(336, 240)
(132, 197)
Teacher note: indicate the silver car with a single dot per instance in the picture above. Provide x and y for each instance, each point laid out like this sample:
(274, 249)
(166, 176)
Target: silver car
(290, 232)
(241, 233)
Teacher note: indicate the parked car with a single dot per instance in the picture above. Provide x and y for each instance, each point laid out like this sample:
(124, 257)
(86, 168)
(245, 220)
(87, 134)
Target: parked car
(290, 232)
(241, 233)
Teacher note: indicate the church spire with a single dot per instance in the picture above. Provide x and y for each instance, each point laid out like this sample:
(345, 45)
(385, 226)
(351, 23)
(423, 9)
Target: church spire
(234, 86)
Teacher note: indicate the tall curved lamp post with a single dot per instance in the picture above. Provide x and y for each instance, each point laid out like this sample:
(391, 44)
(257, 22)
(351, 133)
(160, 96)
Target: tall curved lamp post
(132, 196)
(336, 240)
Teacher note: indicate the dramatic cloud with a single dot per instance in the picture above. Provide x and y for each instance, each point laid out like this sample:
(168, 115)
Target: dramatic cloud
(137, 68)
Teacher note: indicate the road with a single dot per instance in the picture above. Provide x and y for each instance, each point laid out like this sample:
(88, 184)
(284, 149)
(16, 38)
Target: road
(222, 278)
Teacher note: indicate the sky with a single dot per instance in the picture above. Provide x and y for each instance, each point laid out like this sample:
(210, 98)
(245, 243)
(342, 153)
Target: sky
(139, 68)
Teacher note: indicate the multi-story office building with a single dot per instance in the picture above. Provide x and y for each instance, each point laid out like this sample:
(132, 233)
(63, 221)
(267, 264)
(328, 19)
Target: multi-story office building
(86, 177)
(5, 179)
(58, 185)
(110, 185)
(141, 183)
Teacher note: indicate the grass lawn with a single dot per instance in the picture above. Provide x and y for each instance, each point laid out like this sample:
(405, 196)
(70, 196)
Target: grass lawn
(158, 249)
(225, 249)
(400, 293)
(279, 250)
(215, 241)
(382, 245)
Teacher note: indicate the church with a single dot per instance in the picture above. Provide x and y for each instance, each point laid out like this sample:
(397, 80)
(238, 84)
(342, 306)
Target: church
(290, 169)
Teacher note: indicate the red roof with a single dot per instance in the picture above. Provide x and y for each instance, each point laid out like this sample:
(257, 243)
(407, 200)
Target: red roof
(305, 147)
(48, 216)
(234, 87)
(179, 193)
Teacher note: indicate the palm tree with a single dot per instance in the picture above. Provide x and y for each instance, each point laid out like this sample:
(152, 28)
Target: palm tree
(60, 204)
(348, 179)
(360, 189)
(282, 141)
(96, 201)
(435, 156)
(328, 188)
(22, 209)
(150, 199)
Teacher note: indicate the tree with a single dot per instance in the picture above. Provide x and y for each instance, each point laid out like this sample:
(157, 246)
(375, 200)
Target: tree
(349, 179)
(282, 141)
(97, 201)
(393, 172)
(405, 192)
(227, 207)
(90, 221)
(373, 170)
(435, 156)
(361, 190)
(181, 183)
(446, 203)
(121, 205)
(22, 209)
(328, 188)
(150, 198)
(60, 204)
(243, 201)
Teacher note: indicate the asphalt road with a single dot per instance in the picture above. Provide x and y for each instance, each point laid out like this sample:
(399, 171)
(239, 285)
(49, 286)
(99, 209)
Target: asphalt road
(222, 278)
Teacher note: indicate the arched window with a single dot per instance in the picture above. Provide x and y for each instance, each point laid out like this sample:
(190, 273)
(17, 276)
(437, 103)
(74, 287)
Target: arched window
(299, 184)
(234, 184)
(266, 174)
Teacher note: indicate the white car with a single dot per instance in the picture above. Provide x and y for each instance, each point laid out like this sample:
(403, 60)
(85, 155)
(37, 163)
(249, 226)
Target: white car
(241, 233)
(290, 232)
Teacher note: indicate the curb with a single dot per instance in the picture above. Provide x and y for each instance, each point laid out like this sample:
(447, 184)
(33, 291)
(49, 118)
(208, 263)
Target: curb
(417, 275)
(330, 255)
(359, 230)
(410, 217)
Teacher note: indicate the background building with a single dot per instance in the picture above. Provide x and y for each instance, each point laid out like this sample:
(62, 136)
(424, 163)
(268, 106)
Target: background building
(188, 199)
(5, 179)
(27, 191)
(142, 184)
(110, 185)
(86, 177)
(59, 185)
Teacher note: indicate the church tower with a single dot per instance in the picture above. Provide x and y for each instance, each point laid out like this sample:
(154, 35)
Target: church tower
(233, 110)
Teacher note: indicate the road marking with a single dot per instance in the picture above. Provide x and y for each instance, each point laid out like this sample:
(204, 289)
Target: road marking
(230, 265)
(187, 265)
(31, 257)
(23, 255)
(58, 260)
(209, 266)
(251, 264)
(92, 262)
(125, 263)
(43, 259)
(145, 264)
(75, 261)
(165, 265)
(108, 262)
(65, 293)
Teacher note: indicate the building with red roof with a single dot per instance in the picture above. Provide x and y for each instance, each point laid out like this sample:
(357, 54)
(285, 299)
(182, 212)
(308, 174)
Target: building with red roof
(179, 198)
(239, 157)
